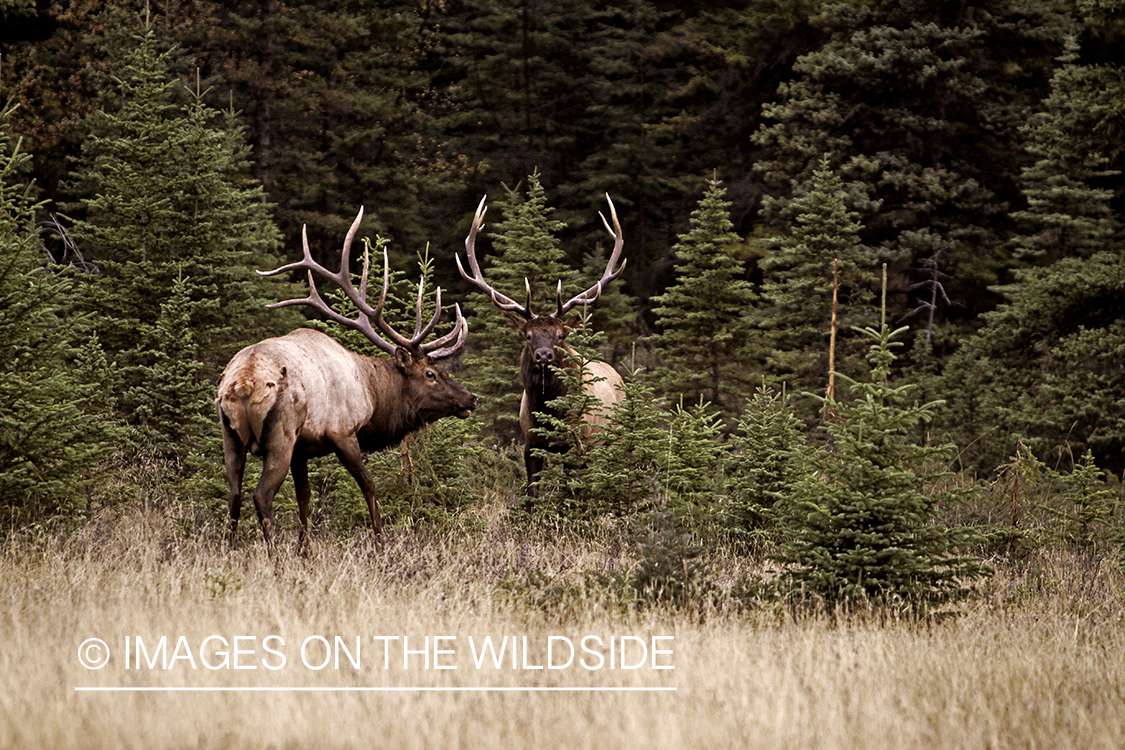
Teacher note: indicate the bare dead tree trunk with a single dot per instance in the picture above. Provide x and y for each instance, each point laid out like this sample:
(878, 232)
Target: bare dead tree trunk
(832, 334)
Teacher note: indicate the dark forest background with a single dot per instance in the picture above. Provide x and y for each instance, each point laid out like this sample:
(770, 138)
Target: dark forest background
(768, 159)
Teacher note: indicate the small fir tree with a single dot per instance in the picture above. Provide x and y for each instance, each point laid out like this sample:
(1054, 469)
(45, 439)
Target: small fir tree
(859, 527)
(174, 404)
(764, 463)
(692, 464)
(624, 472)
(814, 271)
(1089, 506)
(702, 317)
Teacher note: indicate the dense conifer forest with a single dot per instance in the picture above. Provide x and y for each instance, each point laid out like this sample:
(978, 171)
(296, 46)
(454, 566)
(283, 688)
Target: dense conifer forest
(875, 271)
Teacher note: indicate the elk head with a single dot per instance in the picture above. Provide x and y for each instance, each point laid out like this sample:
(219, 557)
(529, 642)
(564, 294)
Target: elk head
(543, 334)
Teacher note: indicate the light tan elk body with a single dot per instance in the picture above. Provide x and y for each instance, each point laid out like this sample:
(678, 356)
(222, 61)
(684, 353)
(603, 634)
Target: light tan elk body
(545, 348)
(302, 395)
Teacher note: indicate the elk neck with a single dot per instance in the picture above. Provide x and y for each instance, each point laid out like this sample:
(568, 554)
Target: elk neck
(542, 383)
(393, 415)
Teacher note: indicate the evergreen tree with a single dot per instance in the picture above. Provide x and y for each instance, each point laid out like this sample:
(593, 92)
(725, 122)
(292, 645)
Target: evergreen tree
(764, 463)
(919, 102)
(692, 465)
(54, 435)
(333, 96)
(1043, 370)
(1069, 212)
(860, 524)
(624, 473)
(702, 317)
(165, 193)
(1089, 506)
(173, 404)
(813, 282)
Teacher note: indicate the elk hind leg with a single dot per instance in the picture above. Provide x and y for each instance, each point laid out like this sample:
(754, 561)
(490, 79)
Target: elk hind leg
(234, 459)
(275, 465)
(300, 467)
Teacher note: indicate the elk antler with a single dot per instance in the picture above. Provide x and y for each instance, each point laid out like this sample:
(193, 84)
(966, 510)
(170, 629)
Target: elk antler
(588, 297)
(504, 302)
(442, 347)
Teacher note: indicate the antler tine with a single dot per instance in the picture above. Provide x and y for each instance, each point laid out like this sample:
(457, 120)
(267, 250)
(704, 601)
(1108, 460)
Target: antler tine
(591, 295)
(411, 345)
(502, 301)
(342, 279)
(367, 314)
(458, 336)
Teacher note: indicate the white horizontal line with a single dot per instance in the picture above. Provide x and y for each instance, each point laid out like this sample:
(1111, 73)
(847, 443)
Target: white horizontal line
(418, 689)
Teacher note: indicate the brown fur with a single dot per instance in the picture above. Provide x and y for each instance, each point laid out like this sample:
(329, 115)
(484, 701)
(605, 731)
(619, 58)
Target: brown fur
(300, 396)
(545, 348)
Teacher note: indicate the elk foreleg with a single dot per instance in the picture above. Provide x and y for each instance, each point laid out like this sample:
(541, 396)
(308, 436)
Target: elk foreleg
(352, 458)
(300, 468)
(534, 465)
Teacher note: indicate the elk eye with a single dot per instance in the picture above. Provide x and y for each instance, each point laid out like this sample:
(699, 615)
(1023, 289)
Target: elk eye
(430, 374)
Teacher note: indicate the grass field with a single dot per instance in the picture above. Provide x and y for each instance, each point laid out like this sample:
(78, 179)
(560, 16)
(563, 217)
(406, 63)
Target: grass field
(1036, 661)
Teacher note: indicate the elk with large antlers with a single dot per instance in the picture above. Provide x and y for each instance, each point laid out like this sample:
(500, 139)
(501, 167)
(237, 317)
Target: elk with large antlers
(545, 348)
(302, 395)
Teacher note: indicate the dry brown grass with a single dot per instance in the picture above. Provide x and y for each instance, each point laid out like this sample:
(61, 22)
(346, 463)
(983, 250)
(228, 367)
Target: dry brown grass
(1037, 661)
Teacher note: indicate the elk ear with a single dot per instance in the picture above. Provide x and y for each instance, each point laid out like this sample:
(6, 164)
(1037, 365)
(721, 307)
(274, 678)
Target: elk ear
(515, 321)
(403, 358)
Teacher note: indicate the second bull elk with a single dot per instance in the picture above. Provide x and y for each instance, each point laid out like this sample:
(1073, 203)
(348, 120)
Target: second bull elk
(302, 395)
(545, 349)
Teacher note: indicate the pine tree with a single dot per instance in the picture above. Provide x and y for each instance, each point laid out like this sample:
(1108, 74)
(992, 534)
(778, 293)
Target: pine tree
(702, 317)
(1069, 212)
(1043, 369)
(624, 472)
(54, 436)
(334, 98)
(860, 526)
(763, 464)
(173, 404)
(165, 192)
(1089, 505)
(692, 466)
(918, 103)
(813, 283)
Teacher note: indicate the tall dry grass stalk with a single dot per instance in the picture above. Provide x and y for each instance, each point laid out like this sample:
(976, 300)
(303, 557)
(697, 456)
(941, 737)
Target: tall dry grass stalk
(1037, 661)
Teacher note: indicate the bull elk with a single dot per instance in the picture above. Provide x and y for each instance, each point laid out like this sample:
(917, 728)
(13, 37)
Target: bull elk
(302, 395)
(545, 349)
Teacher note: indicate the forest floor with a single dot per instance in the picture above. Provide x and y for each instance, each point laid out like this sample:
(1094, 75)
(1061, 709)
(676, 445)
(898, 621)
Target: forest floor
(362, 644)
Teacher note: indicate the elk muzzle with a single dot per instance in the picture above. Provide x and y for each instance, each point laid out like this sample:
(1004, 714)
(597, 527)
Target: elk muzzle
(543, 356)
